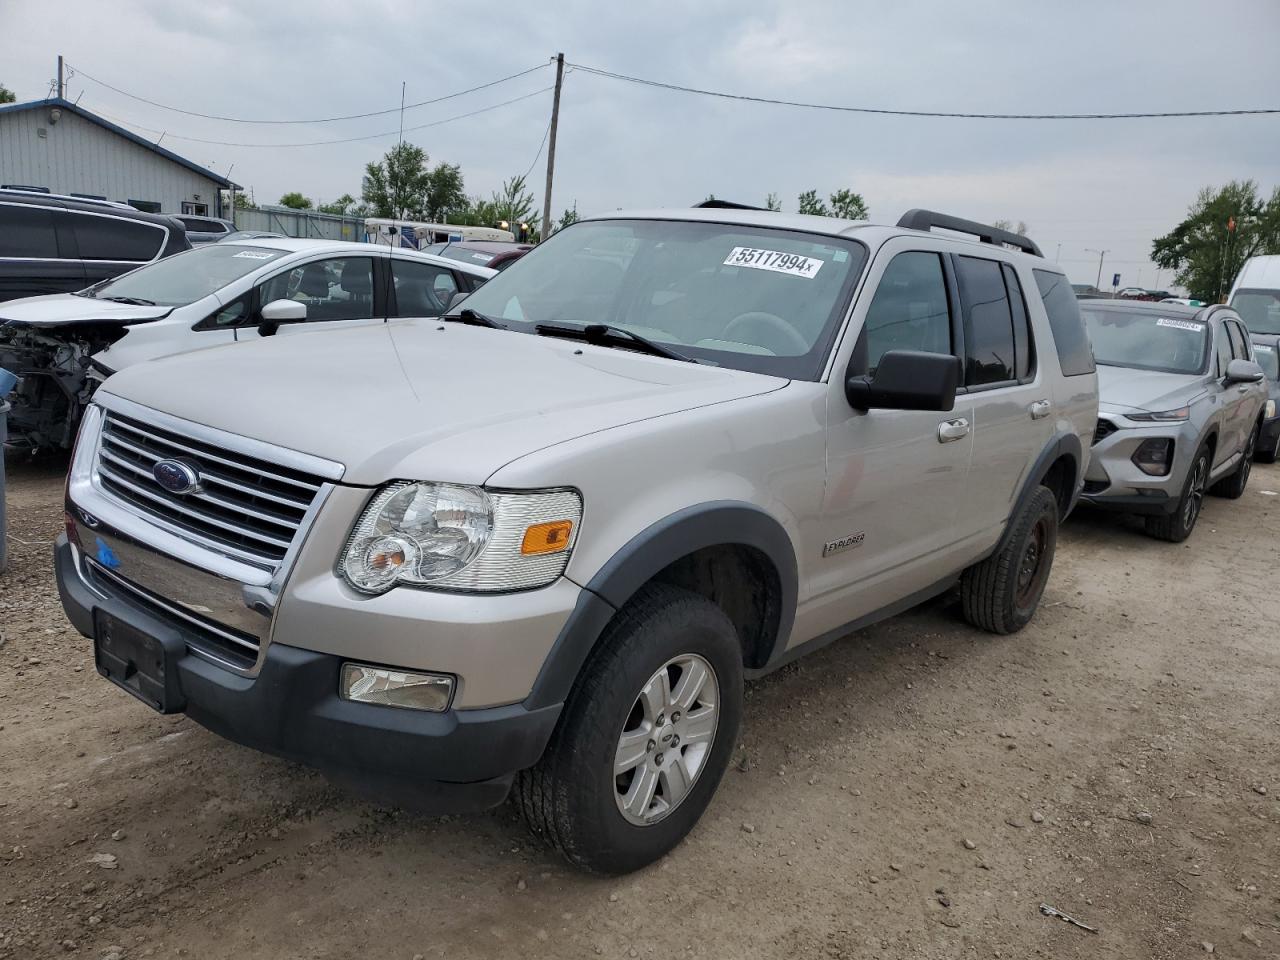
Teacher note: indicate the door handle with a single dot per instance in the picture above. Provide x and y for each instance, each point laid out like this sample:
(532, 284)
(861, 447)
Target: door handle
(1242, 389)
(949, 430)
(1040, 409)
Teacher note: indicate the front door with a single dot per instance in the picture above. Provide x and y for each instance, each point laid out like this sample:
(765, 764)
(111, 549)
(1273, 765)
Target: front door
(894, 477)
(337, 292)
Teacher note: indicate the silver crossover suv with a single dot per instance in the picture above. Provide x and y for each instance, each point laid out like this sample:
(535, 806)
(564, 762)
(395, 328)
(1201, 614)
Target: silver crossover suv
(536, 545)
(1181, 402)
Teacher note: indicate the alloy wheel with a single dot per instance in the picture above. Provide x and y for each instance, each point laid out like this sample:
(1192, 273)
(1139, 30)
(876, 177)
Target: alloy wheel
(666, 739)
(1195, 493)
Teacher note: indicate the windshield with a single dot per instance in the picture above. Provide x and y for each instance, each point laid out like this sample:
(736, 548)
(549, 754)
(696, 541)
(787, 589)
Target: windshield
(1146, 341)
(185, 277)
(1268, 359)
(747, 297)
(1259, 308)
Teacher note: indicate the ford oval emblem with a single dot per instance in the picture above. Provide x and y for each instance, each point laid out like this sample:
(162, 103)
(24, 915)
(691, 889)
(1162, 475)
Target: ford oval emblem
(176, 476)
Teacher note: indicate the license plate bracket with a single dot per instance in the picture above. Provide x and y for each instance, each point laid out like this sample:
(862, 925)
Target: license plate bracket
(137, 661)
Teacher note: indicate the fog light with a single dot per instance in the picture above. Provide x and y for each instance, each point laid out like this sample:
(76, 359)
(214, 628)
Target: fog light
(396, 688)
(1154, 456)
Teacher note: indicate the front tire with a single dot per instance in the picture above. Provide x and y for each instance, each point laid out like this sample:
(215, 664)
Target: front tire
(645, 735)
(1001, 593)
(1177, 526)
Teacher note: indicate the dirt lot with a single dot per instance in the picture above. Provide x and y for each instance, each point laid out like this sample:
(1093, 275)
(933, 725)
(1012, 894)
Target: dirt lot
(917, 790)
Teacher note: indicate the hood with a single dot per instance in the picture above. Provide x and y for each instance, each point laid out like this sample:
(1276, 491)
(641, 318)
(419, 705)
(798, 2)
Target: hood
(421, 399)
(59, 309)
(1124, 388)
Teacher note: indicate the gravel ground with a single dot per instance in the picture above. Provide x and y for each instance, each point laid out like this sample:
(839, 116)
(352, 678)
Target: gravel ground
(917, 790)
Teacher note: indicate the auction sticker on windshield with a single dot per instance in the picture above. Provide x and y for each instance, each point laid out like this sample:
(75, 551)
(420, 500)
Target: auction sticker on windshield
(775, 260)
(255, 255)
(1180, 324)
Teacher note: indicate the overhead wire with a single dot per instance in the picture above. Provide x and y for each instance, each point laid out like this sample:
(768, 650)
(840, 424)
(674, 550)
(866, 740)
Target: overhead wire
(919, 113)
(322, 143)
(351, 116)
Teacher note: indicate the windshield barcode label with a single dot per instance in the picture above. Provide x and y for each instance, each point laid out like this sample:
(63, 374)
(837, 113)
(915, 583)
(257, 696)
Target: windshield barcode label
(1180, 324)
(775, 260)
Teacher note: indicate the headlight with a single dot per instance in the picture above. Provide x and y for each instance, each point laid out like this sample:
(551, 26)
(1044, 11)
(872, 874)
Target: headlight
(444, 536)
(1182, 413)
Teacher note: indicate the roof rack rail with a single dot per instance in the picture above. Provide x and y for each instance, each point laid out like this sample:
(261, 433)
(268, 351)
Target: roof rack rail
(927, 219)
(47, 195)
(714, 204)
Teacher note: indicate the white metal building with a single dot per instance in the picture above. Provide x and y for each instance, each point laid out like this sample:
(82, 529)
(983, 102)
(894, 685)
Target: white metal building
(55, 145)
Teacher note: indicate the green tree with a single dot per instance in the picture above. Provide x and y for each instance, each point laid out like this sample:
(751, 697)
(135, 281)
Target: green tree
(568, 217)
(810, 204)
(403, 184)
(345, 206)
(849, 205)
(516, 205)
(296, 201)
(7, 95)
(245, 202)
(771, 202)
(1223, 228)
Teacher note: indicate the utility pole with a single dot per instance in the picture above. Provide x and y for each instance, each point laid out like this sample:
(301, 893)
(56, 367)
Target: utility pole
(551, 147)
(1058, 254)
(1101, 254)
(399, 142)
(62, 86)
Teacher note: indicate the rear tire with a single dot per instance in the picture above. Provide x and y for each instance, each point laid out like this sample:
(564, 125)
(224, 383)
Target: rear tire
(1268, 456)
(1232, 486)
(576, 799)
(1177, 526)
(1000, 594)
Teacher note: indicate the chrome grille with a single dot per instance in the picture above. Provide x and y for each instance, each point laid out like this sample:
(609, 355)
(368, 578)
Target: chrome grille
(247, 508)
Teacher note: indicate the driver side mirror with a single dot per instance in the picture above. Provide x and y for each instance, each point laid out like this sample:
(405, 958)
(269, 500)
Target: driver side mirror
(277, 312)
(907, 380)
(1243, 371)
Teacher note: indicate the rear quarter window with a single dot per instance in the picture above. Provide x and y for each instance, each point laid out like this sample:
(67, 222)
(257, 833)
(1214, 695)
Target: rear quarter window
(114, 238)
(1070, 339)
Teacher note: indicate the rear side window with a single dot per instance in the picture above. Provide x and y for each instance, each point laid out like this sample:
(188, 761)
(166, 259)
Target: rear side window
(1024, 343)
(27, 232)
(112, 238)
(988, 322)
(909, 310)
(1075, 354)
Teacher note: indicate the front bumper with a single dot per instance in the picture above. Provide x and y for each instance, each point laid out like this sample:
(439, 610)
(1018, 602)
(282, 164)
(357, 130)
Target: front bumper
(1269, 435)
(453, 761)
(1113, 481)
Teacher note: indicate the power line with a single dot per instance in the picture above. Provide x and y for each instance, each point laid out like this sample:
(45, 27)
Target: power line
(920, 113)
(352, 116)
(534, 162)
(324, 143)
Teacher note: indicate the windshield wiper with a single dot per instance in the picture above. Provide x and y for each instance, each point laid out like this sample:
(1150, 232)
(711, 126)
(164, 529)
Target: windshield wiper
(133, 301)
(475, 318)
(599, 333)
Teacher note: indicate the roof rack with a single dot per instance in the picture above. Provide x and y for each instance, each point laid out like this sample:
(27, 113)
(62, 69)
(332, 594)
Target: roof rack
(45, 194)
(714, 204)
(928, 219)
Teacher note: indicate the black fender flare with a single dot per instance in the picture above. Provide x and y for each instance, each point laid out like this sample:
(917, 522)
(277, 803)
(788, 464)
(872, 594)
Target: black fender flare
(1064, 444)
(718, 523)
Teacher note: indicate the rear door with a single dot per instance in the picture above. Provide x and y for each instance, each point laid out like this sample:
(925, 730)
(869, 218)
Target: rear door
(37, 252)
(1011, 398)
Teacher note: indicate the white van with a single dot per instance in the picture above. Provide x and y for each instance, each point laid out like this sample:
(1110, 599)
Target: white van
(416, 234)
(1256, 294)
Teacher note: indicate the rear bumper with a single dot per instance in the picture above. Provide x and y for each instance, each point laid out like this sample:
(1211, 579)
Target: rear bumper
(454, 761)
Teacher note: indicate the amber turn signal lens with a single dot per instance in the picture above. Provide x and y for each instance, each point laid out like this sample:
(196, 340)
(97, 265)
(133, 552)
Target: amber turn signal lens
(547, 537)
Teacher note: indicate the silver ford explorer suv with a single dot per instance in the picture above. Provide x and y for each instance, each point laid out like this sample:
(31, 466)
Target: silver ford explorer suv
(1182, 401)
(536, 546)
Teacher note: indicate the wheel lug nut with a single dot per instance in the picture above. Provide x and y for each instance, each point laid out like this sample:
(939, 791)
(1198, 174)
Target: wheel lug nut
(662, 718)
(658, 759)
(649, 748)
(675, 717)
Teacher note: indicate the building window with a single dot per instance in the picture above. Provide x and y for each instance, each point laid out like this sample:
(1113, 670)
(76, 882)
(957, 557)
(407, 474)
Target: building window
(198, 209)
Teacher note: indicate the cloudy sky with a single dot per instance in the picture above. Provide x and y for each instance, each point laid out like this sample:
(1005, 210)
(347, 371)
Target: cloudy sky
(1078, 184)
